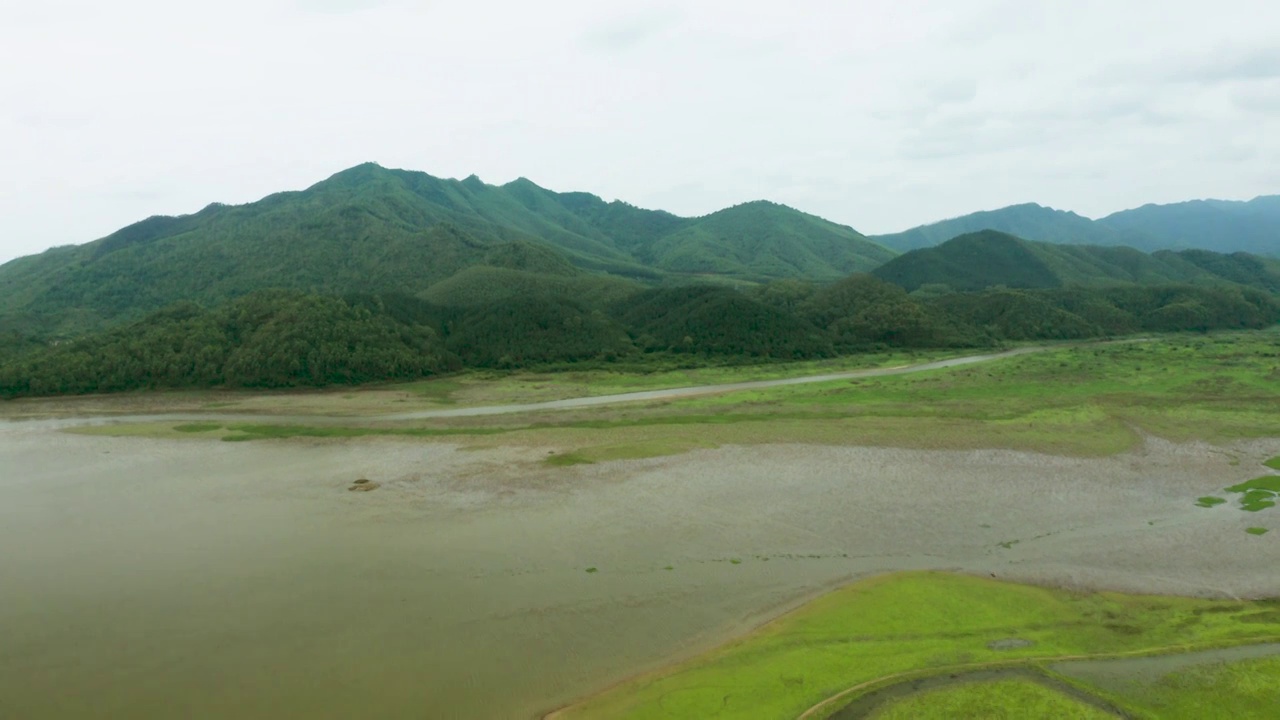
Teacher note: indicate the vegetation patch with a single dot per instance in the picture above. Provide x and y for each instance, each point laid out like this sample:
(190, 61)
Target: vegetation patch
(1266, 483)
(1273, 463)
(1259, 493)
(243, 431)
(1257, 501)
(567, 459)
(627, 451)
(1257, 531)
(1209, 501)
(197, 427)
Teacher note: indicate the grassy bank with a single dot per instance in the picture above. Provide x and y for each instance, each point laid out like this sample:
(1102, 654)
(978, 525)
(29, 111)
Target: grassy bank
(889, 628)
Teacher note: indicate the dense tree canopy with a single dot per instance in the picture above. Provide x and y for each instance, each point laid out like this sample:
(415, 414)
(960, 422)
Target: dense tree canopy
(277, 339)
(268, 340)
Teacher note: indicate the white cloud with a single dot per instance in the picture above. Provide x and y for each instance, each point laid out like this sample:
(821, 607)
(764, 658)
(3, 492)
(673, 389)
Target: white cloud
(877, 114)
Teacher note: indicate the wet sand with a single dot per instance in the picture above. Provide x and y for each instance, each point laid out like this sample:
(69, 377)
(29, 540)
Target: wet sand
(182, 578)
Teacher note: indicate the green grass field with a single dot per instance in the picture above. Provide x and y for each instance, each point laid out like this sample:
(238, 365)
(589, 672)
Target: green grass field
(895, 627)
(1215, 387)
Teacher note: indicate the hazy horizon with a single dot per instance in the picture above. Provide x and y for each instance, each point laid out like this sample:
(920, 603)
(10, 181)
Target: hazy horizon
(882, 116)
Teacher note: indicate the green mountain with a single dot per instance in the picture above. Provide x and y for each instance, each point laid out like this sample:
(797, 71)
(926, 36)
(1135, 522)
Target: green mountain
(985, 259)
(373, 230)
(1218, 225)
(762, 240)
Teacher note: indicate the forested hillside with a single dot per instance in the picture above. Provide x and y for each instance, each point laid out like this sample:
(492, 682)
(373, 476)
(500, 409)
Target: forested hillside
(1217, 225)
(275, 339)
(988, 258)
(370, 229)
(269, 339)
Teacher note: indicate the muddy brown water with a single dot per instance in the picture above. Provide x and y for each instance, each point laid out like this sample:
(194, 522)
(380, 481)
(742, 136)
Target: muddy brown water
(148, 578)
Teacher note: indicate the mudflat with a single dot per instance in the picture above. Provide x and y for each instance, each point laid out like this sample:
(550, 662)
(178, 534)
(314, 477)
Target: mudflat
(155, 578)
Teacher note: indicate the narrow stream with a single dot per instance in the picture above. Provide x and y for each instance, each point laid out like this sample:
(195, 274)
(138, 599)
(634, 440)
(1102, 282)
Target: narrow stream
(1109, 674)
(866, 705)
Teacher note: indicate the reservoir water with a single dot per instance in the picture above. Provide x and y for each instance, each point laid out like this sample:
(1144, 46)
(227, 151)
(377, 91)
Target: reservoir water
(149, 578)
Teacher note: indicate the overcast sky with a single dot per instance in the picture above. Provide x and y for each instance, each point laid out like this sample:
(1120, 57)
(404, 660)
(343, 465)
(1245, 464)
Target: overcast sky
(877, 114)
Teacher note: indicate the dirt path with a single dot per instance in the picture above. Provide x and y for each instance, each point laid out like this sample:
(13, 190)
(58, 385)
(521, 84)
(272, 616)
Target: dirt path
(670, 393)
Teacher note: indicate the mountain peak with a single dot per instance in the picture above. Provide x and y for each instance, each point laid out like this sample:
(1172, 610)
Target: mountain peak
(354, 175)
(522, 182)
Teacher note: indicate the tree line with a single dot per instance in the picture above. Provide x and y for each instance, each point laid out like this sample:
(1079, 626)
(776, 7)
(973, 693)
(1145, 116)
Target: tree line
(281, 339)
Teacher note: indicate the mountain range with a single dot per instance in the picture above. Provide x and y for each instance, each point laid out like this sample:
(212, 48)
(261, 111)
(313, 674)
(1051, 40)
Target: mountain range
(378, 275)
(466, 243)
(371, 229)
(1219, 225)
(984, 259)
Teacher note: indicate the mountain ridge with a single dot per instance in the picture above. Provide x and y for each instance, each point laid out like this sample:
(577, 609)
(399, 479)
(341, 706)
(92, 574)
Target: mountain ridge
(374, 229)
(1222, 225)
(989, 258)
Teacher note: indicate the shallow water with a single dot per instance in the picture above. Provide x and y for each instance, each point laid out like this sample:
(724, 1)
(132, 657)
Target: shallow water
(187, 578)
(150, 579)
